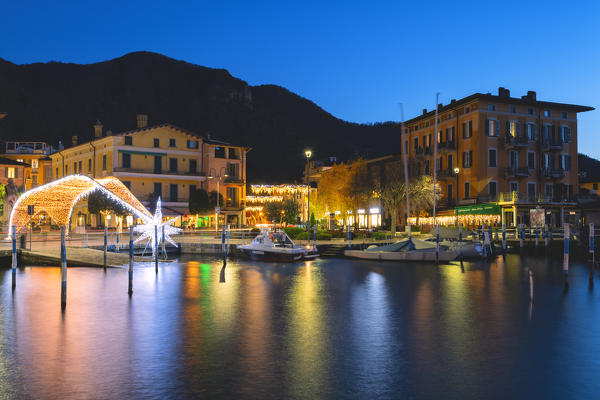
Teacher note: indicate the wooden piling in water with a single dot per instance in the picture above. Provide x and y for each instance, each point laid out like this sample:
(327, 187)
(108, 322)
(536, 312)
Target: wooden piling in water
(130, 290)
(105, 245)
(14, 257)
(504, 237)
(566, 235)
(156, 248)
(350, 236)
(546, 236)
(537, 237)
(223, 248)
(437, 244)
(521, 234)
(63, 268)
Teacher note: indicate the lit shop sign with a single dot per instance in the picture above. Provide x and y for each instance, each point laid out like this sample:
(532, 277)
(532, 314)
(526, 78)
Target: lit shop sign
(361, 211)
(374, 211)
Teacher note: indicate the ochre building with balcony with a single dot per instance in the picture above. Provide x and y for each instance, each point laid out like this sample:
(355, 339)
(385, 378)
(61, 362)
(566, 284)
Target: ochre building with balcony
(161, 160)
(517, 151)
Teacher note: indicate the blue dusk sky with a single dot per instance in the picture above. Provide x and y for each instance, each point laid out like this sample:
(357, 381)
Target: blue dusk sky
(357, 60)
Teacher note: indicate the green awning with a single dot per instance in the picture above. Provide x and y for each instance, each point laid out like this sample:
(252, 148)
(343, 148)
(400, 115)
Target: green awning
(486, 208)
(145, 153)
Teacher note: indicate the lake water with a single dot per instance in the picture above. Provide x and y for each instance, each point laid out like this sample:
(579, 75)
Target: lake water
(326, 329)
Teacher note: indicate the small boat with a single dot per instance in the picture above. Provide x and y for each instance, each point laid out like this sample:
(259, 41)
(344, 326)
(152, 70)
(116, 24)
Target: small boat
(277, 246)
(469, 249)
(405, 250)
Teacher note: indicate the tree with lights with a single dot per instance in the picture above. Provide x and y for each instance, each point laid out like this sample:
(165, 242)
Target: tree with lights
(2, 195)
(212, 197)
(199, 202)
(421, 194)
(99, 203)
(392, 191)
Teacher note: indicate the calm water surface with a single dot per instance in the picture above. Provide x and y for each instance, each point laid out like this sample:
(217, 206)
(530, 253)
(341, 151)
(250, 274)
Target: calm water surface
(327, 329)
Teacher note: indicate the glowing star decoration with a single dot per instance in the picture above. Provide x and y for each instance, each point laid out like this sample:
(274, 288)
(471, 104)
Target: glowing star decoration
(147, 229)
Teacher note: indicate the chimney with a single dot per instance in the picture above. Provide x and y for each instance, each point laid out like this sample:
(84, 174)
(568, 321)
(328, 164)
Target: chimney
(97, 130)
(502, 92)
(531, 95)
(424, 111)
(74, 140)
(142, 121)
(452, 101)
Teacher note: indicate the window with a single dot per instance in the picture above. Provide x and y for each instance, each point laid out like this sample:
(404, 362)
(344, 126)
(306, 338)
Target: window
(531, 190)
(467, 159)
(34, 164)
(233, 153)
(467, 187)
(492, 188)
(416, 144)
(66, 170)
(427, 166)
(193, 166)
(171, 142)
(467, 129)
(531, 160)
(513, 159)
(467, 110)
(233, 170)
(565, 134)
(563, 115)
(173, 192)
(548, 160)
(156, 142)
(492, 128)
(491, 107)
(192, 144)
(513, 109)
(56, 172)
(530, 111)
(232, 197)
(104, 162)
(565, 162)
(80, 166)
(513, 128)
(157, 164)
(11, 173)
(450, 197)
(547, 133)
(192, 190)
(406, 147)
(129, 140)
(492, 158)
(127, 183)
(172, 165)
(548, 190)
(126, 160)
(89, 166)
(532, 132)
(450, 162)
(514, 186)
(74, 167)
(439, 137)
(595, 186)
(547, 113)
(158, 188)
(219, 152)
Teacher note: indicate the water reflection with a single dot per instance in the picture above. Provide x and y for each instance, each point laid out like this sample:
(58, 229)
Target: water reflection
(321, 329)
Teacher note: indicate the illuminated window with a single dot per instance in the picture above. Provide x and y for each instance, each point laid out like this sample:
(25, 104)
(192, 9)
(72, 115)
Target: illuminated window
(10, 173)
(514, 128)
(34, 164)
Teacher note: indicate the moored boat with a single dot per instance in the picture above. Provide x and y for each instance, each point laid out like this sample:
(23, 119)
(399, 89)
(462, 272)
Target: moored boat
(405, 250)
(276, 246)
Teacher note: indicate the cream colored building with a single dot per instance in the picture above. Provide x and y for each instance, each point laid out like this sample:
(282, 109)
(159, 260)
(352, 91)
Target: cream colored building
(161, 159)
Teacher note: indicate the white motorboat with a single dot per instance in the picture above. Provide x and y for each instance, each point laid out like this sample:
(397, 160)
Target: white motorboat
(405, 250)
(276, 246)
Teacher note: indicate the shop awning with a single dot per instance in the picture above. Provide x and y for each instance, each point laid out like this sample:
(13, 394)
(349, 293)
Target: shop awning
(486, 208)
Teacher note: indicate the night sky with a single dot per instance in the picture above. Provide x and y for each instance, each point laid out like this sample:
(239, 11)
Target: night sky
(356, 60)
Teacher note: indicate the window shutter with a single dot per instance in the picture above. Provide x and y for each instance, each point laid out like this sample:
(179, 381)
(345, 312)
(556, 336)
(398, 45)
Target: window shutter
(487, 127)
(470, 128)
(507, 128)
(518, 129)
(568, 134)
(535, 131)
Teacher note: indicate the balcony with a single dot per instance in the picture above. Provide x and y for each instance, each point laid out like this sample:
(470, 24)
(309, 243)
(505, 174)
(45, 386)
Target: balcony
(233, 179)
(156, 172)
(446, 173)
(511, 142)
(447, 146)
(428, 151)
(516, 172)
(419, 152)
(552, 144)
(553, 173)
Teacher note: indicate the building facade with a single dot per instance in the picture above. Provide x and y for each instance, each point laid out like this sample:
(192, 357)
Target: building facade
(164, 161)
(518, 152)
(36, 154)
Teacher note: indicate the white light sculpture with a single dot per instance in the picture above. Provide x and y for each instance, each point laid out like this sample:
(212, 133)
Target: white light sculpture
(146, 230)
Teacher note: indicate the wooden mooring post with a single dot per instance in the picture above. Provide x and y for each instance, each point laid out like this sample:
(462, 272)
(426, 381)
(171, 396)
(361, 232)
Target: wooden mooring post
(566, 254)
(14, 257)
(105, 245)
(156, 248)
(63, 268)
(437, 244)
(504, 237)
(130, 290)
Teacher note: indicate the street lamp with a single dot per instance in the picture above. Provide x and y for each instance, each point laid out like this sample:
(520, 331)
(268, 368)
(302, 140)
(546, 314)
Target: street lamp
(217, 210)
(308, 153)
(456, 171)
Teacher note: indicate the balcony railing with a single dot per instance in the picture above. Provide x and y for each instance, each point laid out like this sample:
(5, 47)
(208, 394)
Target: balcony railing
(447, 146)
(512, 142)
(516, 197)
(234, 179)
(553, 173)
(419, 151)
(520, 172)
(552, 144)
(446, 173)
(155, 171)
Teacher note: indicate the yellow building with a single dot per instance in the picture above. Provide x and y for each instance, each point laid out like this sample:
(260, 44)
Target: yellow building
(160, 160)
(36, 155)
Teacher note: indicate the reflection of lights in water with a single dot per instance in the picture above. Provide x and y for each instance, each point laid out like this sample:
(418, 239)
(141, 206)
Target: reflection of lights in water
(308, 336)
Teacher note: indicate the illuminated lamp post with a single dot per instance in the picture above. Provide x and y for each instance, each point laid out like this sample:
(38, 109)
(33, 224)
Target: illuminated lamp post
(308, 154)
(217, 210)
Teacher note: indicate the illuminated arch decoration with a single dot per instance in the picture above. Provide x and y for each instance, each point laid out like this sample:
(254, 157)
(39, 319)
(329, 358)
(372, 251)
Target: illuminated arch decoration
(58, 198)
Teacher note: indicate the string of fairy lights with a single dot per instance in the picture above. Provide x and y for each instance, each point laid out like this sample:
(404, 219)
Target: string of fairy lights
(470, 219)
(279, 190)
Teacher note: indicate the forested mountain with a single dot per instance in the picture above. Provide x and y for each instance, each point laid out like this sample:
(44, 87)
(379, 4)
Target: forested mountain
(54, 101)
